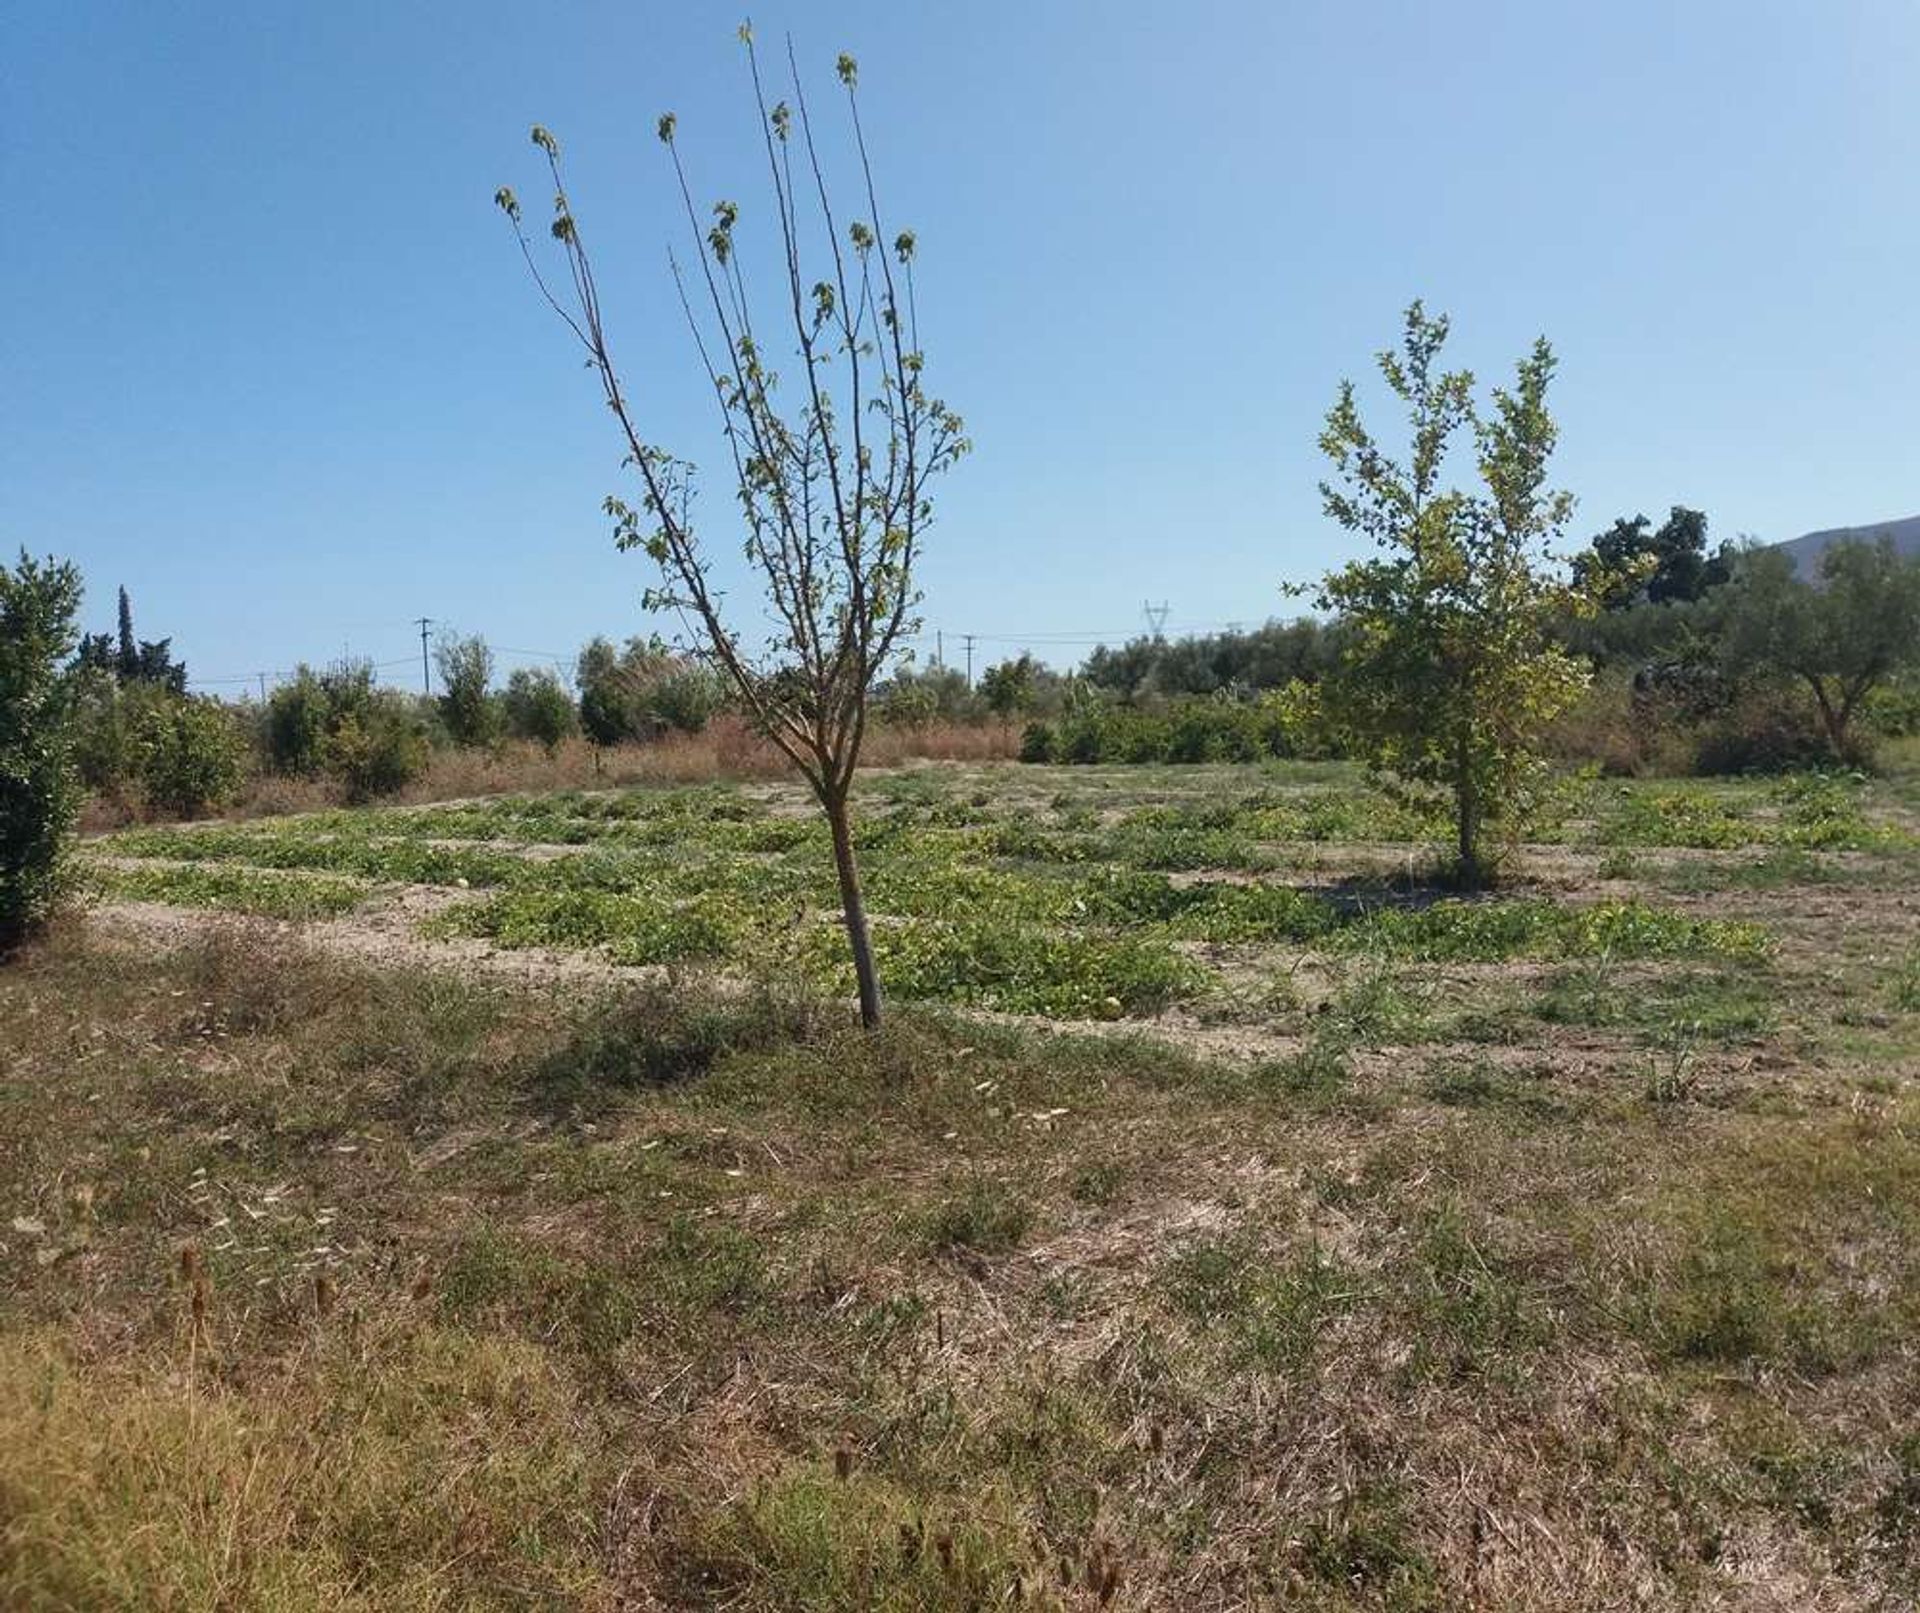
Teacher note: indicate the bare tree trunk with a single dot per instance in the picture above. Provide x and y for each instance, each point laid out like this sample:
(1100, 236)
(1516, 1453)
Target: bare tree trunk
(854, 910)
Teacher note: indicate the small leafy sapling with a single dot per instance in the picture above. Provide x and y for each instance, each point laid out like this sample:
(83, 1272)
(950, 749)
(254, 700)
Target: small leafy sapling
(1451, 669)
(833, 488)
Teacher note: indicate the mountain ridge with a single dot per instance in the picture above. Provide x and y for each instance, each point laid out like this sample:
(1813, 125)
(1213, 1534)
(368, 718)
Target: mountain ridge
(1807, 549)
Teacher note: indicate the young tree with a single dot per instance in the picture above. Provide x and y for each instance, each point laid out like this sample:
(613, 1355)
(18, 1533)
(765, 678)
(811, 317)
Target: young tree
(466, 706)
(39, 795)
(538, 707)
(1008, 688)
(834, 490)
(1450, 671)
(1842, 636)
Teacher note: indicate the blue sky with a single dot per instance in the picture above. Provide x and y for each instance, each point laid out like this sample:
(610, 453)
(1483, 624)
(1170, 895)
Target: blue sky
(268, 356)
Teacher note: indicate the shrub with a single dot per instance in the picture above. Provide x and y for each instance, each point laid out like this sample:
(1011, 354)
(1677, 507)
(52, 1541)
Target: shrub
(39, 795)
(643, 691)
(468, 710)
(1769, 731)
(538, 707)
(190, 756)
(103, 754)
(377, 751)
(1040, 743)
(1281, 723)
(685, 698)
(302, 712)
(335, 722)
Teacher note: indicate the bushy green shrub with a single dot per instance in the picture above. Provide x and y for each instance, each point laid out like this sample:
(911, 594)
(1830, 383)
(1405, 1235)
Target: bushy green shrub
(643, 691)
(301, 712)
(1040, 743)
(1894, 712)
(538, 707)
(189, 754)
(1771, 731)
(335, 722)
(684, 699)
(1278, 724)
(39, 794)
(103, 751)
(468, 710)
(378, 751)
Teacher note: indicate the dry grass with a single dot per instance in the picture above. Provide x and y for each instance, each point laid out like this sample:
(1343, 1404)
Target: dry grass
(728, 750)
(668, 1298)
(1399, 1282)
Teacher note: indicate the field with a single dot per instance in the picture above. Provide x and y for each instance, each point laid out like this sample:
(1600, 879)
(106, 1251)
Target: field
(490, 1204)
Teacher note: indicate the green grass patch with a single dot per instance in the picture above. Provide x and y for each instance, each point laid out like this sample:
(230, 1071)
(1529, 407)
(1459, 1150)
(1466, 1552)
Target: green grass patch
(236, 890)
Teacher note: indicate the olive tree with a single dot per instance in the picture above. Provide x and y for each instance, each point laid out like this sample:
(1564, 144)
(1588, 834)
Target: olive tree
(1450, 670)
(1842, 635)
(39, 793)
(833, 471)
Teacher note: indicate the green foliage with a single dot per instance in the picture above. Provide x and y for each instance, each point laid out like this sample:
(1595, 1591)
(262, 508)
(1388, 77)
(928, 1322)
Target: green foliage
(1021, 968)
(467, 707)
(1232, 663)
(335, 722)
(378, 751)
(1279, 724)
(191, 755)
(536, 706)
(1451, 671)
(1628, 564)
(985, 1217)
(39, 798)
(916, 696)
(129, 661)
(643, 691)
(1008, 688)
(628, 927)
(1851, 632)
(234, 890)
(1481, 931)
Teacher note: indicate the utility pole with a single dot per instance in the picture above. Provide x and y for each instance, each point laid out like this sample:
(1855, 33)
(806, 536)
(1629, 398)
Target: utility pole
(1156, 617)
(939, 648)
(969, 639)
(426, 672)
(263, 686)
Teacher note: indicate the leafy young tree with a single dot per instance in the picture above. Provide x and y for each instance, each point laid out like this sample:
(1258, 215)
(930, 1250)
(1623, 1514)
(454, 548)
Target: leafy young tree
(833, 490)
(1850, 632)
(1449, 671)
(39, 795)
(918, 695)
(1008, 688)
(337, 722)
(641, 692)
(466, 705)
(538, 707)
(190, 755)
